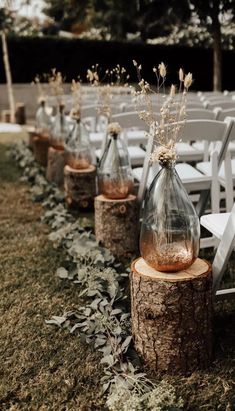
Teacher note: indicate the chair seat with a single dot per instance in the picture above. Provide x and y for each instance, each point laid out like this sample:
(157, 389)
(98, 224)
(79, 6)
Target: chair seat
(136, 155)
(96, 139)
(10, 128)
(192, 179)
(134, 137)
(205, 168)
(199, 145)
(215, 223)
(187, 152)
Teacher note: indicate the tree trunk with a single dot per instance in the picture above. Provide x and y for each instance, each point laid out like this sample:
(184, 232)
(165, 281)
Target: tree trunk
(172, 316)
(55, 166)
(217, 54)
(116, 224)
(8, 76)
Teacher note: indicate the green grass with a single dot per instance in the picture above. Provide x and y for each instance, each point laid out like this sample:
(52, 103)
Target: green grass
(46, 368)
(42, 367)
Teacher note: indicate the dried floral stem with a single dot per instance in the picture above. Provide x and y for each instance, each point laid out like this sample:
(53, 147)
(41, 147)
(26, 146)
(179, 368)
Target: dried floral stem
(166, 125)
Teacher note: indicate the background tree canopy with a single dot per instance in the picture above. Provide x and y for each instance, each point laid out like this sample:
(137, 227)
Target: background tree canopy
(148, 19)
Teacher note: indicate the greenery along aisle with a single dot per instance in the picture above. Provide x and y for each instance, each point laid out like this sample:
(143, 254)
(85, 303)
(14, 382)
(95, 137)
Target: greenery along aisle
(101, 314)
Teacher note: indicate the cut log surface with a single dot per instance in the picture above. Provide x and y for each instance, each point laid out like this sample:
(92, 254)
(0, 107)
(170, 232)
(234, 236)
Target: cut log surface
(172, 316)
(55, 166)
(40, 148)
(80, 186)
(116, 224)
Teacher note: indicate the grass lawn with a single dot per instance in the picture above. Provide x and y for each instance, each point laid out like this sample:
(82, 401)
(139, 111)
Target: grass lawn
(45, 368)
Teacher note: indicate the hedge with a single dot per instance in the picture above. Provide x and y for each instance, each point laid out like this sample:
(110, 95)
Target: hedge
(35, 55)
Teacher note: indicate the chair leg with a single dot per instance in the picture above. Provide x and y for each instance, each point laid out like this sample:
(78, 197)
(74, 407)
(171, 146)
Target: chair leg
(224, 251)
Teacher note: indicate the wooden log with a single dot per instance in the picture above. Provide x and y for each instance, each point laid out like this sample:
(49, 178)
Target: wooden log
(20, 114)
(117, 225)
(80, 186)
(55, 166)
(172, 316)
(40, 149)
(31, 133)
(6, 116)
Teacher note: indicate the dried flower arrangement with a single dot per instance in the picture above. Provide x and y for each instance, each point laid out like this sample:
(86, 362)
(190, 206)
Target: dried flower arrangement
(76, 90)
(42, 88)
(56, 86)
(105, 92)
(114, 129)
(167, 124)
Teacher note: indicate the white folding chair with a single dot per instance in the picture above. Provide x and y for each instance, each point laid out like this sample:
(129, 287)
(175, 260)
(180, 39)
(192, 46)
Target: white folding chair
(223, 104)
(192, 179)
(222, 226)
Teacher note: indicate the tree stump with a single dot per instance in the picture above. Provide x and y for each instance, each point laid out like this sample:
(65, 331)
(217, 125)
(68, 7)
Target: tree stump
(172, 316)
(20, 114)
(117, 224)
(6, 116)
(80, 186)
(55, 166)
(40, 149)
(32, 133)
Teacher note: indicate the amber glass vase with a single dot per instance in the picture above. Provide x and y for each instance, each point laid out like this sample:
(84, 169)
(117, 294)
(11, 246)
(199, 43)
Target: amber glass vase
(60, 129)
(115, 177)
(79, 154)
(170, 231)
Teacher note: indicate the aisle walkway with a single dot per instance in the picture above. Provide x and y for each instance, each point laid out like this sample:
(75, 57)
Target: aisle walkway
(41, 367)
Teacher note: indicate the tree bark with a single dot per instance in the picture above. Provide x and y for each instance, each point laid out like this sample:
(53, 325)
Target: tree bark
(116, 224)
(40, 149)
(172, 316)
(80, 186)
(217, 54)
(55, 166)
(8, 76)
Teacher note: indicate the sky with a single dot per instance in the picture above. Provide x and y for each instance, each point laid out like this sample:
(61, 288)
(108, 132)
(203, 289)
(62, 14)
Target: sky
(32, 10)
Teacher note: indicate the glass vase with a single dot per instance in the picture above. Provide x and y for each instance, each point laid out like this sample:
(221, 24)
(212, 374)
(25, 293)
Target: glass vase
(60, 129)
(115, 177)
(43, 121)
(79, 154)
(170, 231)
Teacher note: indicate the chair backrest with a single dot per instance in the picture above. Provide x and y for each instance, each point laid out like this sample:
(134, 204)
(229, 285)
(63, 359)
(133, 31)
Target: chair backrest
(223, 103)
(130, 120)
(200, 113)
(222, 114)
(210, 130)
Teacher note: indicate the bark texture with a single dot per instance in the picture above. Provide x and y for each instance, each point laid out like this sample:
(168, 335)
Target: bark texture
(55, 166)
(6, 116)
(80, 186)
(40, 148)
(8, 76)
(117, 225)
(172, 317)
(20, 115)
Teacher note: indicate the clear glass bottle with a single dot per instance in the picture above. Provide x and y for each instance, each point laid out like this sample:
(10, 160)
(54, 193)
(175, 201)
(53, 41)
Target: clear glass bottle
(170, 231)
(43, 120)
(115, 179)
(60, 129)
(79, 153)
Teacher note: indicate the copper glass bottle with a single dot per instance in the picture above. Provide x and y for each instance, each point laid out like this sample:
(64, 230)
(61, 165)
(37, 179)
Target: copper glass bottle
(60, 129)
(170, 231)
(115, 177)
(79, 151)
